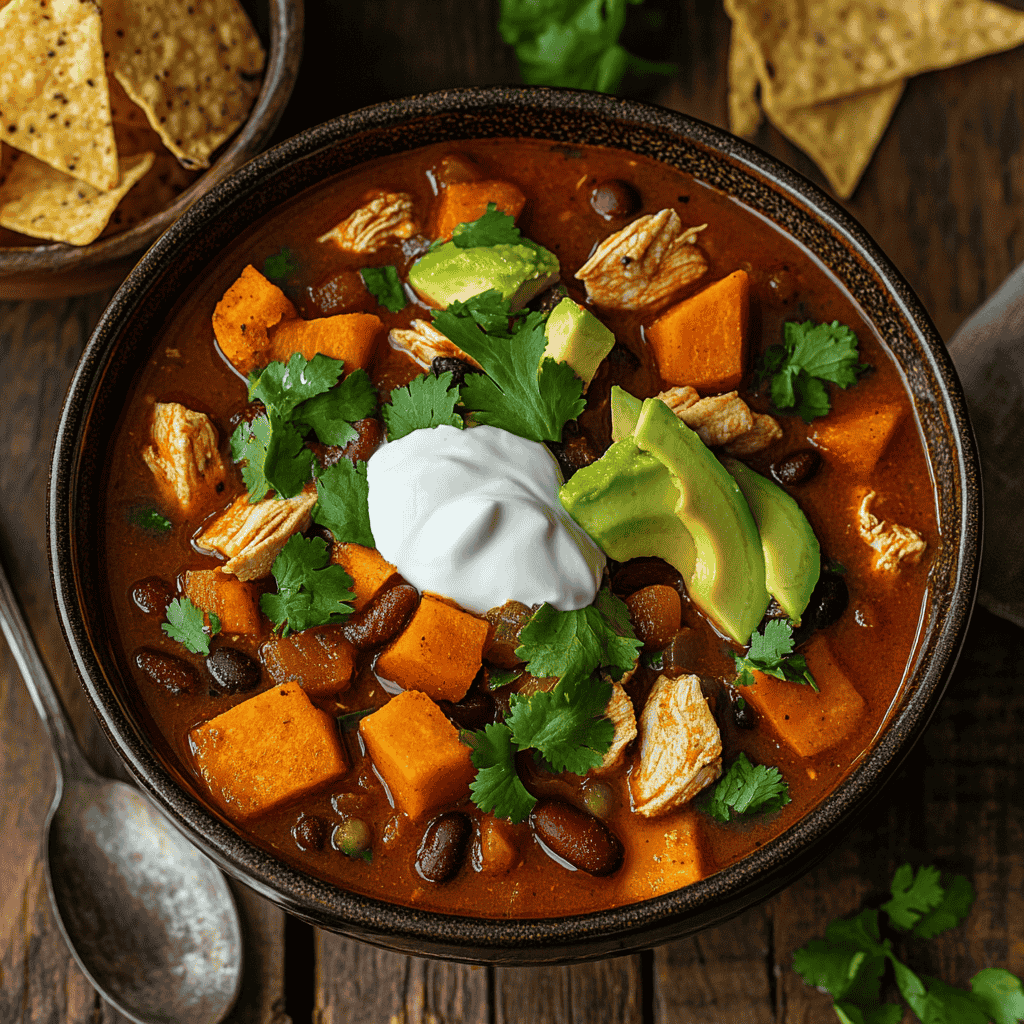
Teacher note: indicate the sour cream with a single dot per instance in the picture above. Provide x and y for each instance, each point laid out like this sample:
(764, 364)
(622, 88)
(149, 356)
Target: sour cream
(474, 515)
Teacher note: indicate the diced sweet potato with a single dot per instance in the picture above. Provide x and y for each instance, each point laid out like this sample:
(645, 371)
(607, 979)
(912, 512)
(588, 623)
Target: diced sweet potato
(465, 201)
(348, 336)
(662, 862)
(242, 318)
(439, 652)
(806, 721)
(234, 602)
(267, 751)
(418, 753)
(368, 569)
(857, 437)
(702, 341)
(655, 612)
(320, 660)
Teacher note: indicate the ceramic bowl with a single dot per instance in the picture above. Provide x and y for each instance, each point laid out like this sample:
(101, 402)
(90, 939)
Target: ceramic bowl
(120, 345)
(56, 269)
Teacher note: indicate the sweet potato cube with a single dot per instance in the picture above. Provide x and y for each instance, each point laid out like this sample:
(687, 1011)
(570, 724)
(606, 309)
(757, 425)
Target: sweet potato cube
(439, 652)
(368, 569)
(242, 318)
(655, 612)
(465, 201)
(418, 753)
(663, 861)
(806, 721)
(856, 437)
(233, 601)
(702, 341)
(348, 336)
(267, 751)
(320, 660)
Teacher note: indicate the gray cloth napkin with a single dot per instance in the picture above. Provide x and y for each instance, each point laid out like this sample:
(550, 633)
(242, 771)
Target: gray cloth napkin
(988, 351)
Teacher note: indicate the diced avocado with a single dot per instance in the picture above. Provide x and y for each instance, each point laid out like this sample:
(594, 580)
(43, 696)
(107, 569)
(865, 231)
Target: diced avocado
(576, 337)
(792, 556)
(518, 272)
(625, 413)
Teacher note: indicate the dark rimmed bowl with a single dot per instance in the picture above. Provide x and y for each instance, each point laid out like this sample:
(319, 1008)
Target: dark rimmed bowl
(121, 343)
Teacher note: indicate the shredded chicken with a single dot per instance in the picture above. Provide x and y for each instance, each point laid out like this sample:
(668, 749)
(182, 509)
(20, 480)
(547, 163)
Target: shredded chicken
(183, 455)
(251, 536)
(894, 543)
(424, 343)
(644, 263)
(620, 710)
(383, 215)
(723, 420)
(680, 747)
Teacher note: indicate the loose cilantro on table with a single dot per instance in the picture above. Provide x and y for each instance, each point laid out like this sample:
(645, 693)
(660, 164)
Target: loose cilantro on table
(343, 503)
(770, 653)
(811, 356)
(186, 623)
(426, 402)
(384, 284)
(746, 788)
(150, 520)
(310, 591)
(849, 963)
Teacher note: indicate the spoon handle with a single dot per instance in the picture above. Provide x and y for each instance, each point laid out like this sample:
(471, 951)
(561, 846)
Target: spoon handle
(69, 758)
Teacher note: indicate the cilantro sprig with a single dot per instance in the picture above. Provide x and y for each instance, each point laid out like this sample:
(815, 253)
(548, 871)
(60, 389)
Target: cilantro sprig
(342, 506)
(771, 653)
(424, 403)
(850, 962)
(186, 623)
(811, 356)
(384, 284)
(747, 788)
(493, 227)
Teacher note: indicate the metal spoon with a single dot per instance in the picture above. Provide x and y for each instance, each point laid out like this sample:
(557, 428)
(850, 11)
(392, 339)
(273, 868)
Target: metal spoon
(148, 917)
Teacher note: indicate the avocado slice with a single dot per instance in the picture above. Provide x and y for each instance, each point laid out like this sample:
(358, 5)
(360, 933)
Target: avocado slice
(625, 412)
(792, 555)
(576, 337)
(449, 273)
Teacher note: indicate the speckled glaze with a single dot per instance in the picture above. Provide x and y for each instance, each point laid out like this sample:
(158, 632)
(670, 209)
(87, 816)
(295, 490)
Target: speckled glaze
(121, 343)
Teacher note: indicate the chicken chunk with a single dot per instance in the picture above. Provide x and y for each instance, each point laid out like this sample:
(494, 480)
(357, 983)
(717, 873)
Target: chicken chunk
(894, 543)
(424, 343)
(252, 535)
(620, 710)
(723, 420)
(184, 456)
(680, 747)
(382, 216)
(643, 264)
(765, 431)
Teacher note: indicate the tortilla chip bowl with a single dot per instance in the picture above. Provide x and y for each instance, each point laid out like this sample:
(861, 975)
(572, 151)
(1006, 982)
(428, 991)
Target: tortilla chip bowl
(115, 202)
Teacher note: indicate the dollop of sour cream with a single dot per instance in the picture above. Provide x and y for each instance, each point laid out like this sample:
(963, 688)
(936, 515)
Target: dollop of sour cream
(474, 515)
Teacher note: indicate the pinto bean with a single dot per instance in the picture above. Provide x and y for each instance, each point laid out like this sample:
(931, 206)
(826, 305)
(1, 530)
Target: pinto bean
(614, 198)
(577, 837)
(152, 595)
(443, 847)
(233, 670)
(310, 832)
(473, 712)
(797, 467)
(382, 618)
(173, 674)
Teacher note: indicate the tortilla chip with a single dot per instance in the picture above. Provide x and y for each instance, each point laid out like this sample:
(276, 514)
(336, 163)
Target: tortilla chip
(744, 110)
(37, 200)
(810, 51)
(52, 77)
(193, 68)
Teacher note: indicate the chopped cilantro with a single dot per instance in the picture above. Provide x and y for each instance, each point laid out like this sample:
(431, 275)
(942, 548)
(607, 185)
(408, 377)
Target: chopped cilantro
(747, 788)
(284, 386)
(347, 722)
(343, 503)
(497, 678)
(490, 311)
(186, 624)
(310, 591)
(497, 787)
(426, 402)
(274, 455)
(770, 653)
(811, 356)
(150, 520)
(280, 266)
(386, 286)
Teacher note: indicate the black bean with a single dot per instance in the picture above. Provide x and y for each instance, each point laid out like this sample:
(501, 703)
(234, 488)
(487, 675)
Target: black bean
(458, 368)
(577, 837)
(743, 714)
(614, 198)
(233, 670)
(173, 674)
(548, 299)
(829, 600)
(370, 433)
(473, 712)
(310, 832)
(443, 847)
(575, 450)
(152, 595)
(382, 618)
(797, 467)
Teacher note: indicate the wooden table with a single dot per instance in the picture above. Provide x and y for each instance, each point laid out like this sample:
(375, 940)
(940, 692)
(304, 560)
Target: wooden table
(944, 197)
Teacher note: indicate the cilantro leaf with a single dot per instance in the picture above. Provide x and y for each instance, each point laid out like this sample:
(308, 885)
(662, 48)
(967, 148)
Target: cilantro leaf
(280, 266)
(493, 227)
(150, 520)
(747, 788)
(284, 386)
(1000, 993)
(343, 503)
(489, 310)
(770, 653)
(497, 787)
(497, 678)
(883, 1013)
(426, 402)
(934, 1001)
(386, 287)
(310, 591)
(349, 721)
(249, 444)
(951, 910)
(186, 624)
(849, 961)
(913, 895)
(330, 415)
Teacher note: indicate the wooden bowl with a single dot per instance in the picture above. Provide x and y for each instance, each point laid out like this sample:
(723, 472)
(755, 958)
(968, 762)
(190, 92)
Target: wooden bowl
(121, 344)
(57, 269)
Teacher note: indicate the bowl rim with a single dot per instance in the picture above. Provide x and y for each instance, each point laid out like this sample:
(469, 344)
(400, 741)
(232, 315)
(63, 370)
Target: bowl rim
(487, 940)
